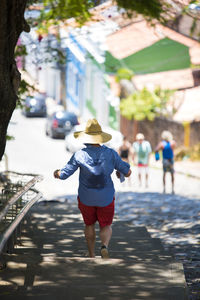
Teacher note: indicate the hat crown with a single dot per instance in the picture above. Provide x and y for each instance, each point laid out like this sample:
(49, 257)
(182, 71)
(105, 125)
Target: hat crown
(93, 133)
(93, 127)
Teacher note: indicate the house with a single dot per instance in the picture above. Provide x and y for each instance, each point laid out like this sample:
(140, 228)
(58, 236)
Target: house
(157, 55)
(88, 91)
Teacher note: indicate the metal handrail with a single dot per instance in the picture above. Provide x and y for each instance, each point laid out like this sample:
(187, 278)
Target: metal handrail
(19, 194)
(17, 220)
(10, 229)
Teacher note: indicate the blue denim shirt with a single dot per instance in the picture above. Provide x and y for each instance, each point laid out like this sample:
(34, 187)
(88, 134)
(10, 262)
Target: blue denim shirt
(96, 165)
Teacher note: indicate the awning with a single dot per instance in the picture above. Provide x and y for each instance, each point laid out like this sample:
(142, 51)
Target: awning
(190, 108)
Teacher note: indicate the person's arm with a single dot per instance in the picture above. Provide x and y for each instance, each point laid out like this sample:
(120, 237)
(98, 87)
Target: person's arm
(173, 144)
(68, 170)
(149, 152)
(129, 173)
(159, 147)
(121, 166)
(119, 150)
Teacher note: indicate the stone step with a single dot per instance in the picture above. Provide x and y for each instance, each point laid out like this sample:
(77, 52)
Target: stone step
(66, 243)
(118, 228)
(51, 262)
(82, 278)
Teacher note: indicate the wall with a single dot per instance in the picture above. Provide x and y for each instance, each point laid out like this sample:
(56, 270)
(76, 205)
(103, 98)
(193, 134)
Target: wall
(152, 130)
(185, 25)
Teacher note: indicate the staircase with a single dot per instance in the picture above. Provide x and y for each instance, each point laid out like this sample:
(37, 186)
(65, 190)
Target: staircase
(51, 262)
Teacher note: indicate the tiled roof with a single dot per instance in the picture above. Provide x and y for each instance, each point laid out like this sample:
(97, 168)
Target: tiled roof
(140, 35)
(176, 79)
(131, 39)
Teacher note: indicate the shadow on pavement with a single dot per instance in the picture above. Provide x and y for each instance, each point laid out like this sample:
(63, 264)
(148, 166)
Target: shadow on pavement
(50, 262)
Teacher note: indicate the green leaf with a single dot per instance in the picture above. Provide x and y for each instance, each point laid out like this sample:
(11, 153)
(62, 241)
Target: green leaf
(145, 104)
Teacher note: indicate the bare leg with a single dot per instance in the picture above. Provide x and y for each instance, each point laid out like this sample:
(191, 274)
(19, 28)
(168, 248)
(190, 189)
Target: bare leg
(172, 178)
(147, 177)
(105, 235)
(90, 237)
(140, 178)
(164, 182)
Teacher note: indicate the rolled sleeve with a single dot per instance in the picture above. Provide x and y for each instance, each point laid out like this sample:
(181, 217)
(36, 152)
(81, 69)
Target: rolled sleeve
(120, 165)
(69, 168)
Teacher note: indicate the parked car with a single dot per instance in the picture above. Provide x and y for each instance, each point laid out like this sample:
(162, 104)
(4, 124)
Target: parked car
(35, 106)
(60, 123)
(73, 145)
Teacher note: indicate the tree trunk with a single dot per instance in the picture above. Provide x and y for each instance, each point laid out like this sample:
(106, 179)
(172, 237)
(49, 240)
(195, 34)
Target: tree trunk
(12, 23)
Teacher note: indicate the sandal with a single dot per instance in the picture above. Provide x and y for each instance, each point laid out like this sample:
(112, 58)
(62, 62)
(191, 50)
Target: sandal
(104, 252)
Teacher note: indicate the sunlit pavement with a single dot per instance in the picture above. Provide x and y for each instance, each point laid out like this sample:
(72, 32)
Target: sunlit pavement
(51, 262)
(173, 218)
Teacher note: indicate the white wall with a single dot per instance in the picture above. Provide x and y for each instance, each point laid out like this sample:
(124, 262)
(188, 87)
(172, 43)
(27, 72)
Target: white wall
(50, 80)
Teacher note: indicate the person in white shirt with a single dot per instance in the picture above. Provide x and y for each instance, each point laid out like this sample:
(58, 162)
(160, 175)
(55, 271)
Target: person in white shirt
(142, 150)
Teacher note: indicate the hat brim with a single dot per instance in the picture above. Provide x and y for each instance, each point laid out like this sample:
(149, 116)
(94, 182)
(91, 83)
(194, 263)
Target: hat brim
(99, 138)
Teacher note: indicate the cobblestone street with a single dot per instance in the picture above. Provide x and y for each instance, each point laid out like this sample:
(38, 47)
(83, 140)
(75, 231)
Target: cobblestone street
(175, 219)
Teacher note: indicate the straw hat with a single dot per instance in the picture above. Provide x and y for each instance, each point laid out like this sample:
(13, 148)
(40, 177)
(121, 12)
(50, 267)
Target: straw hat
(93, 133)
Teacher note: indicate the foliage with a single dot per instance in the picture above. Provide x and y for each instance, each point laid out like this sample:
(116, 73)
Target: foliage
(192, 153)
(9, 137)
(153, 9)
(124, 73)
(25, 87)
(20, 50)
(145, 104)
(55, 11)
(60, 10)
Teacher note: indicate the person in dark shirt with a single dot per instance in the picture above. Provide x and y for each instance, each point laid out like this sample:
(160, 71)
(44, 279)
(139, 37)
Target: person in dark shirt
(125, 150)
(96, 193)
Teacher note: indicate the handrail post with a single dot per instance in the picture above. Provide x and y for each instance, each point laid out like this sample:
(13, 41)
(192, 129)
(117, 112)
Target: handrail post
(17, 213)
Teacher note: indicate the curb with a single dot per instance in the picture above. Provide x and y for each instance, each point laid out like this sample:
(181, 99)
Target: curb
(179, 172)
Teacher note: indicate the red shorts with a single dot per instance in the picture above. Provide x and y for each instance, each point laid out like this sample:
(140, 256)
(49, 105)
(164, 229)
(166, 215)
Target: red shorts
(142, 165)
(91, 214)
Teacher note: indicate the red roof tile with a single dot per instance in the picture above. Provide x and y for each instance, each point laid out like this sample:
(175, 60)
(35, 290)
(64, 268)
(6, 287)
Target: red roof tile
(176, 79)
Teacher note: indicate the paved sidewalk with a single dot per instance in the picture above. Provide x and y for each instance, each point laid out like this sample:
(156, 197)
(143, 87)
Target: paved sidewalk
(51, 262)
(186, 167)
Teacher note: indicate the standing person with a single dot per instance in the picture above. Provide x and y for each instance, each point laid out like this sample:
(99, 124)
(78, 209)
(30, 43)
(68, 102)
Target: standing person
(167, 145)
(96, 197)
(142, 150)
(125, 150)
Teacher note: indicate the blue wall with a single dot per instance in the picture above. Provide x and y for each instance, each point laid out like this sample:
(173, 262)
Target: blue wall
(75, 74)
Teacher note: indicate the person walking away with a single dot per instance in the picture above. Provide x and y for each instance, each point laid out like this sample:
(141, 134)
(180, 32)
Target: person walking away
(167, 145)
(142, 150)
(96, 193)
